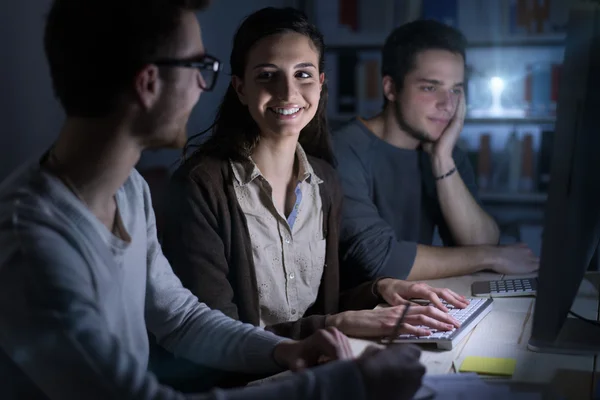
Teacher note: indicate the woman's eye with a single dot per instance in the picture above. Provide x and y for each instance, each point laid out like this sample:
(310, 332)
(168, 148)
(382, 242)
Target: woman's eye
(303, 75)
(265, 75)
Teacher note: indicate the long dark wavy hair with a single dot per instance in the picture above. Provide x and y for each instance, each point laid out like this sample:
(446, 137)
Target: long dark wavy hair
(234, 131)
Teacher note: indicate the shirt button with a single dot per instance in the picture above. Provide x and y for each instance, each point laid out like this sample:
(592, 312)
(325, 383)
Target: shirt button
(291, 275)
(287, 240)
(293, 312)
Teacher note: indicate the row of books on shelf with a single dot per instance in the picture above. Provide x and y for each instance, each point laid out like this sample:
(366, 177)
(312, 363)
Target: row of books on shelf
(355, 88)
(516, 169)
(368, 22)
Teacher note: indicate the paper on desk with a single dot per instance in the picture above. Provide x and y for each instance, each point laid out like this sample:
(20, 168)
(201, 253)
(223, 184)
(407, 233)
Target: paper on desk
(466, 386)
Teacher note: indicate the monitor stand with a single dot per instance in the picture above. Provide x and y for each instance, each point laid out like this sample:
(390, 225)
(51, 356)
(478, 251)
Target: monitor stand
(577, 337)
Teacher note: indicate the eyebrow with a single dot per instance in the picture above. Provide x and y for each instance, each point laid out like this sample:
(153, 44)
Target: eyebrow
(439, 83)
(297, 66)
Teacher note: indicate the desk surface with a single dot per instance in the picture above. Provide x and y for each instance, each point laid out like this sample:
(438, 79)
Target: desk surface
(504, 332)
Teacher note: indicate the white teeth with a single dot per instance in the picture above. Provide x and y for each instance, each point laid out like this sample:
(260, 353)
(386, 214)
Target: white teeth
(286, 111)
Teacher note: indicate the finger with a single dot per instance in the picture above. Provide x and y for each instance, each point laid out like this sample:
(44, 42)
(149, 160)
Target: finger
(430, 322)
(435, 300)
(328, 345)
(452, 298)
(344, 343)
(440, 316)
(411, 329)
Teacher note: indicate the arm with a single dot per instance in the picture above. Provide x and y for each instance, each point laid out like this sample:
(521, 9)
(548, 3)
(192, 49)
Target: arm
(195, 248)
(190, 329)
(368, 245)
(466, 221)
(54, 333)
(365, 295)
(52, 328)
(434, 262)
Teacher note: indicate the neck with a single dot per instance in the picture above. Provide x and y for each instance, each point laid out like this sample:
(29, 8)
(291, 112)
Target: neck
(96, 156)
(386, 127)
(275, 157)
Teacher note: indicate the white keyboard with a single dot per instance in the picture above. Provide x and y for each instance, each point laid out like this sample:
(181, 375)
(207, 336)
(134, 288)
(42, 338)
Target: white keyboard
(468, 317)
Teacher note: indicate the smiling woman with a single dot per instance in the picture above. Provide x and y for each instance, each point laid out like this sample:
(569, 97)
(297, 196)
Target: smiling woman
(253, 215)
(265, 63)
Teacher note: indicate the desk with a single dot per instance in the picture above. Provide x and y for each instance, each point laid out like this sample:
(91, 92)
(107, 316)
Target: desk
(504, 332)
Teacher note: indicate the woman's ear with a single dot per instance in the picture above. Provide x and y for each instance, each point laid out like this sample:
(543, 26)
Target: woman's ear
(238, 85)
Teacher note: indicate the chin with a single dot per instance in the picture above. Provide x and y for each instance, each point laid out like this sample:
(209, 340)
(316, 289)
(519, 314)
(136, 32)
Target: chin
(286, 130)
(172, 140)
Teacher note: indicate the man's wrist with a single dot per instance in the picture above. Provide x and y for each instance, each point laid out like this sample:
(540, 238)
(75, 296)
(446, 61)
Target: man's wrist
(487, 257)
(379, 285)
(441, 165)
(280, 352)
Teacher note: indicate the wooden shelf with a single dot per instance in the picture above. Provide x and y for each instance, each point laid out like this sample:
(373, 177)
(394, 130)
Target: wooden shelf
(513, 198)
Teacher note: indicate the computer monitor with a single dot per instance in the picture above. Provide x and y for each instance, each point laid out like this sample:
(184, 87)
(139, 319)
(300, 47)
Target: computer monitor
(572, 220)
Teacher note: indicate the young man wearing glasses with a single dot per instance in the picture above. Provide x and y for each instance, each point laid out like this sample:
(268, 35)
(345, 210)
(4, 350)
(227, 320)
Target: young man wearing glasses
(82, 275)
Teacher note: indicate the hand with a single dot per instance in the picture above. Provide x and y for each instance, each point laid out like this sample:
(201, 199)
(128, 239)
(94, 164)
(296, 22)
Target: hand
(442, 148)
(325, 344)
(396, 292)
(516, 259)
(380, 322)
(393, 373)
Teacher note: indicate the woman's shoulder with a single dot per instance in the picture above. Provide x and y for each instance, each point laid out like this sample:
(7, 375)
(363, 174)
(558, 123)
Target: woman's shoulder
(322, 168)
(202, 168)
(328, 174)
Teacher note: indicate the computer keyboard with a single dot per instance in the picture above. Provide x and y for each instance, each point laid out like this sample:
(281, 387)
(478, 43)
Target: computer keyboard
(505, 288)
(469, 317)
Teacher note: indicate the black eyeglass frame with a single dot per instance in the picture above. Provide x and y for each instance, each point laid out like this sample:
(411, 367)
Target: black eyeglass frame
(203, 63)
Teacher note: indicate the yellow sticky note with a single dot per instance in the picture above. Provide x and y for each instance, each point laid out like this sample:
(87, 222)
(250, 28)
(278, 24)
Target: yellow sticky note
(489, 365)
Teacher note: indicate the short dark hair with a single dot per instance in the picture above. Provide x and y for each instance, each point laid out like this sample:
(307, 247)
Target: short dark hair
(95, 47)
(234, 132)
(404, 44)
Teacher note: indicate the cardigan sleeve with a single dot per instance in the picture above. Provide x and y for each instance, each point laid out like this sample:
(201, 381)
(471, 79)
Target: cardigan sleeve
(193, 244)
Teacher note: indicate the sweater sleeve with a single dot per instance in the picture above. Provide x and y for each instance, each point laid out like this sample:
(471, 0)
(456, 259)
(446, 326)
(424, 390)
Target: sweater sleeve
(368, 245)
(53, 329)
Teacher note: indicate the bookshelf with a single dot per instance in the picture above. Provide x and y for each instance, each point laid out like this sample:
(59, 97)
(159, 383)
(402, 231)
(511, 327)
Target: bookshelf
(547, 121)
(375, 42)
(503, 42)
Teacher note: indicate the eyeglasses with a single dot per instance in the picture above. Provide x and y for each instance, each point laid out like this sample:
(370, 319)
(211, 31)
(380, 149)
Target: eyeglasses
(208, 66)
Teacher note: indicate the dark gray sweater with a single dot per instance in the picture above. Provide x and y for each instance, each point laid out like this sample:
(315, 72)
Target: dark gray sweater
(390, 203)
